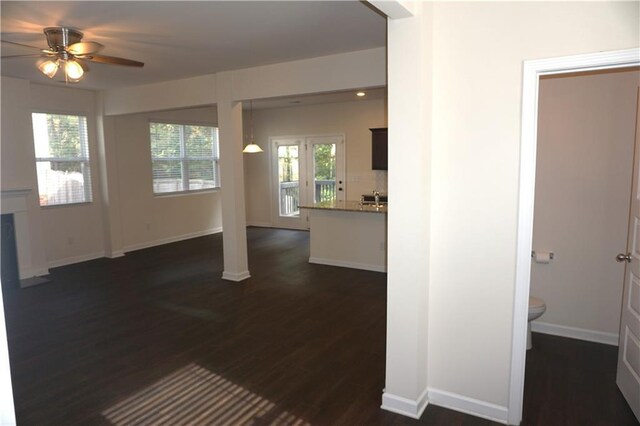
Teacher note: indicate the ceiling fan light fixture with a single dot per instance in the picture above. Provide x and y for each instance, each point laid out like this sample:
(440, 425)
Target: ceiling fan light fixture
(49, 68)
(73, 70)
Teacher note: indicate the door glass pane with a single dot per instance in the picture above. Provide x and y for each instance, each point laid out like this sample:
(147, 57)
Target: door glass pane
(289, 180)
(324, 173)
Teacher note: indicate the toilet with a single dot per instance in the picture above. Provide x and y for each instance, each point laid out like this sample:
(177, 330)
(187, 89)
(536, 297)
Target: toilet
(536, 309)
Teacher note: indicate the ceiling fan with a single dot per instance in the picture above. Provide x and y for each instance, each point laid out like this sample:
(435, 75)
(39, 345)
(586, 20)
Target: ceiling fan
(67, 51)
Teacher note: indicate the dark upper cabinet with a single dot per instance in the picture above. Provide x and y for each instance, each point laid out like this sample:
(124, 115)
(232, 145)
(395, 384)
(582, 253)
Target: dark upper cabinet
(379, 149)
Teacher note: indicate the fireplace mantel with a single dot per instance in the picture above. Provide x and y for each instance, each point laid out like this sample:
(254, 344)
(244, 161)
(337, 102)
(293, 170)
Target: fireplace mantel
(16, 201)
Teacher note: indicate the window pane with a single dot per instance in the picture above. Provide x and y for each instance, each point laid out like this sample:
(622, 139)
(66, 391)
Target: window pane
(63, 182)
(62, 158)
(165, 140)
(184, 157)
(201, 174)
(167, 176)
(288, 180)
(324, 172)
(200, 140)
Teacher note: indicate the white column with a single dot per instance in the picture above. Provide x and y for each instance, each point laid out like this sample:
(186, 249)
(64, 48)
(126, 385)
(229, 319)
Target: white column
(234, 223)
(409, 122)
(108, 172)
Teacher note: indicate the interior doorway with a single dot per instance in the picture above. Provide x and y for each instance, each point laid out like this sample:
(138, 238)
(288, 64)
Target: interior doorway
(584, 176)
(584, 166)
(533, 70)
(305, 170)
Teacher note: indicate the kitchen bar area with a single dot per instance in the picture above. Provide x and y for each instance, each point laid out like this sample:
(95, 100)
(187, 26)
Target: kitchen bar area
(350, 234)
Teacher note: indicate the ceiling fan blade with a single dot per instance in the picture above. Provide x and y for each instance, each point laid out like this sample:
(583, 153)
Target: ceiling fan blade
(32, 55)
(20, 44)
(112, 60)
(85, 48)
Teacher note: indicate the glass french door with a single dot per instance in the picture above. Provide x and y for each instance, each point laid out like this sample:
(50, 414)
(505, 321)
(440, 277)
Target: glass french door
(307, 170)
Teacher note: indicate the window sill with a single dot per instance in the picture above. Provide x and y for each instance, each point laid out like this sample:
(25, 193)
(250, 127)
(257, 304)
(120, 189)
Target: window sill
(186, 193)
(58, 206)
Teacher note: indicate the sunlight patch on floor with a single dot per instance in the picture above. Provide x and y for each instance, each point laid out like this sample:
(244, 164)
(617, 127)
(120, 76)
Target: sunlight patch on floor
(194, 396)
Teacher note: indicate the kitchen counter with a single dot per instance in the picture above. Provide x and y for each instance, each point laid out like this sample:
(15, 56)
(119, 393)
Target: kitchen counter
(348, 206)
(341, 235)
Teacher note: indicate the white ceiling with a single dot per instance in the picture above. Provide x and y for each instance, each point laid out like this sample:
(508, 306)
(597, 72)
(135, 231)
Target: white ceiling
(185, 39)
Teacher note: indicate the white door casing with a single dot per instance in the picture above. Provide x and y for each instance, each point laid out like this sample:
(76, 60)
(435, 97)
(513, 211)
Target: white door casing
(628, 373)
(282, 210)
(532, 70)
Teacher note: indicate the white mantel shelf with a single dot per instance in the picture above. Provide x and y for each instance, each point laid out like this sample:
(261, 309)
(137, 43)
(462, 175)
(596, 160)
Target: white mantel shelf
(15, 201)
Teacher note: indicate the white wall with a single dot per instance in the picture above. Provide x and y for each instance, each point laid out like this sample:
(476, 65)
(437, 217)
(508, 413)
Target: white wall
(18, 171)
(74, 232)
(147, 219)
(354, 119)
(59, 234)
(360, 69)
(586, 128)
(478, 53)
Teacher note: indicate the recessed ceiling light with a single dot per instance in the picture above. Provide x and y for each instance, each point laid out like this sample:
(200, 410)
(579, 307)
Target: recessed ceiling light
(361, 94)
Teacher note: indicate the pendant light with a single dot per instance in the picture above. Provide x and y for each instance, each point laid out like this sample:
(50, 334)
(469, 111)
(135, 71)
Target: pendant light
(252, 147)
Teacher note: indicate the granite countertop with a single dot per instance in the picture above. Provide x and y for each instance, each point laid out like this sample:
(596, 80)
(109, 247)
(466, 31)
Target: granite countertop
(348, 206)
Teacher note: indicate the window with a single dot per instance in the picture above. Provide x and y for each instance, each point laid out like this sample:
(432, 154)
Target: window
(184, 157)
(62, 159)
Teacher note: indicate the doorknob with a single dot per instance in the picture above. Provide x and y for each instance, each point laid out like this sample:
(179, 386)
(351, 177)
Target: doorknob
(621, 257)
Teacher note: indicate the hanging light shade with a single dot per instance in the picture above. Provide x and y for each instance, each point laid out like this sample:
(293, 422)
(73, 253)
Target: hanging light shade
(73, 70)
(49, 68)
(252, 147)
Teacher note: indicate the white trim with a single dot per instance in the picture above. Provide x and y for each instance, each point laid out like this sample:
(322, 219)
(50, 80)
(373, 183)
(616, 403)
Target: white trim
(260, 224)
(168, 240)
(532, 70)
(75, 259)
(467, 405)
(33, 271)
(300, 222)
(235, 276)
(404, 406)
(575, 333)
(394, 9)
(347, 264)
(114, 254)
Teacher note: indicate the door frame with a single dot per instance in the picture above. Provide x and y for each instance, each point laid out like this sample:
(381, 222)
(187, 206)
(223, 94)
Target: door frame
(276, 221)
(532, 71)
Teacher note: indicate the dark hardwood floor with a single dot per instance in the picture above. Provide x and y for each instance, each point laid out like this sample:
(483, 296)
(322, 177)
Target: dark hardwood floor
(157, 337)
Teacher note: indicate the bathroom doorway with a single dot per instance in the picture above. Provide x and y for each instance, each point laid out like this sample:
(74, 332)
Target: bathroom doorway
(584, 167)
(533, 71)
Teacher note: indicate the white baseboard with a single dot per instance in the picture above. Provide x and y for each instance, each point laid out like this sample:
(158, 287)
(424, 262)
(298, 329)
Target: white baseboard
(575, 333)
(467, 405)
(260, 224)
(168, 240)
(31, 271)
(406, 407)
(114, 254)
(235, 276)
(75, 259)
(347, 264)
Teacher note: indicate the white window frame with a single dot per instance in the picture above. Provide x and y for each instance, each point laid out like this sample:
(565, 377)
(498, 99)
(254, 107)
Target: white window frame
(183, 159)
(84, 160)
